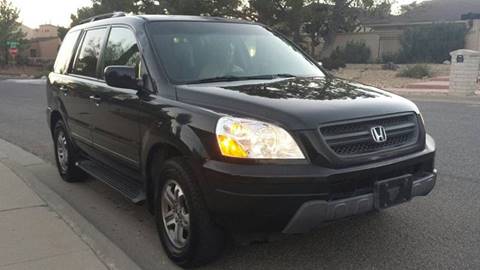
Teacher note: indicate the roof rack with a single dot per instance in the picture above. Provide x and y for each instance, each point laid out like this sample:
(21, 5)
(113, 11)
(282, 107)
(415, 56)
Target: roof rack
(104, 16)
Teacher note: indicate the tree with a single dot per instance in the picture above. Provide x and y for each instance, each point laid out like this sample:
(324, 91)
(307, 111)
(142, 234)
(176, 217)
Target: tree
(101, 7)
(329, 17)
(432, 43)
(10, 29)
(62, 32)
(286, 16)
(320, 19)
(231, 8)
(404, 9)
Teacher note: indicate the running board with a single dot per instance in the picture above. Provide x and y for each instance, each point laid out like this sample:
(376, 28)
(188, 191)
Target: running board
(127, 187)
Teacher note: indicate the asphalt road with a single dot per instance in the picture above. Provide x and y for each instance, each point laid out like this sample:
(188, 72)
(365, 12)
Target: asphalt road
(441, 231)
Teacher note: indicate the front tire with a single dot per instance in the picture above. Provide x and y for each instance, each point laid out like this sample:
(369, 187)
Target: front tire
(65, 155)
(186, 230)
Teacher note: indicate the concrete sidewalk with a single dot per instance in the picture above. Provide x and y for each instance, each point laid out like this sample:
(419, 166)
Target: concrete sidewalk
(32, 236)
(39, 230)
(437, 86)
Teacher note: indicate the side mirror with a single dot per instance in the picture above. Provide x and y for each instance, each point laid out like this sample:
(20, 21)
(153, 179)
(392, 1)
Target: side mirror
(122, 77)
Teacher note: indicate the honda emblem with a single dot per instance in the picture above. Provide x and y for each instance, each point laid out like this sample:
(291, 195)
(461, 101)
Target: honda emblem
(379, 134)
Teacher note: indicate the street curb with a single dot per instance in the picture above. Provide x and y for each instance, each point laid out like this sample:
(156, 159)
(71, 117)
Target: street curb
(446, 99)
(441, 98)
(110, 254)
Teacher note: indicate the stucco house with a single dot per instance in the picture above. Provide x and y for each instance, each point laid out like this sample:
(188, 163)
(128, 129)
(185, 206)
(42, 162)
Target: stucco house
(43, 44)
(382, 36)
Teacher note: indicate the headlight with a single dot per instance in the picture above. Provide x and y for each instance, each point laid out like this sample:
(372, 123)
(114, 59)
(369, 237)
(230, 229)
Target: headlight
(244, 138)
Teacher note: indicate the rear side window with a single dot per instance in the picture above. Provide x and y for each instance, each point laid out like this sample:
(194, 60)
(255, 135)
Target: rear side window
(121, 49)
(65, 53)
(87, 58)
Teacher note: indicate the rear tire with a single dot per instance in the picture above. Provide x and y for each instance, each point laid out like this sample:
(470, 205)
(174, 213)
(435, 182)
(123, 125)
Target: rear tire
(178, 202)
(65, 155)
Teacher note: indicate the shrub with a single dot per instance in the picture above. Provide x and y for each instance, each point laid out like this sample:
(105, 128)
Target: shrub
(354, 52)
(392, 58)
(431, 43)
(389, 58)
(418, 71)
(390, 66)
(335, 61)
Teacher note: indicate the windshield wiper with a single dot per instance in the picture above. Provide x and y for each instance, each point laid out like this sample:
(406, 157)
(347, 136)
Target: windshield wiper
(242, 78)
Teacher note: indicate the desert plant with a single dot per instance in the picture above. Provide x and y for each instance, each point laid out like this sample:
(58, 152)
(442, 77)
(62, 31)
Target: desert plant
(390, 66)
(390, 58)
(336, 60)
(357, 52)
(353, 52)
(418, 71)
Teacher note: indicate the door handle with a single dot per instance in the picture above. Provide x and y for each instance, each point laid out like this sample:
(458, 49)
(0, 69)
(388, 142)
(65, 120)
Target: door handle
(64, 90)
(96, 99)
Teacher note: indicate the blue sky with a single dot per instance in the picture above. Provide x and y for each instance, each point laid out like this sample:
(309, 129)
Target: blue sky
(57, 12)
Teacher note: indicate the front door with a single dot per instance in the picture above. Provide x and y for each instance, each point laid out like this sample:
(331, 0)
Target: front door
(116, 127)
(78, 89)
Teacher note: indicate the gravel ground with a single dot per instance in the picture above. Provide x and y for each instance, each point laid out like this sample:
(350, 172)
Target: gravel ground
(374, 75)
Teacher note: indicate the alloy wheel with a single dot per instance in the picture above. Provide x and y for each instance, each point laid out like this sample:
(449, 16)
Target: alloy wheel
(175, 214)
(62, 151)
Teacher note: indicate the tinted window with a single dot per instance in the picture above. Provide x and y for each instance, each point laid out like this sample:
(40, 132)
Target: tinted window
(121, 49)
(193, 51)
(87, 59)
(65, 54)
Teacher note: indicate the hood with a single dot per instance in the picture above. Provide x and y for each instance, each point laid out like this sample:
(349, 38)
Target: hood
(295, 103)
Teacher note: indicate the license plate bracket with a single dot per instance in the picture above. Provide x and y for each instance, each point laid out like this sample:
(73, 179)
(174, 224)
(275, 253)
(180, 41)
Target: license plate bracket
(394, 191)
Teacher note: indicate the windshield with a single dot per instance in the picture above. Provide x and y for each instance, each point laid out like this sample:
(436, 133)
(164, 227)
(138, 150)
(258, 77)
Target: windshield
(194, 52)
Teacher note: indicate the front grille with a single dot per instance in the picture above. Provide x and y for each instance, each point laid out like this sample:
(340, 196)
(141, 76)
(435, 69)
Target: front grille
(354, 137)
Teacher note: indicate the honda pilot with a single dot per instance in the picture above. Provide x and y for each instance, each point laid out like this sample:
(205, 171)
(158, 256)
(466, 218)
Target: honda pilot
(223, 126)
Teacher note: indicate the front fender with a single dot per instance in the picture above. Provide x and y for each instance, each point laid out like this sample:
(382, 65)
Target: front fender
(188, 129)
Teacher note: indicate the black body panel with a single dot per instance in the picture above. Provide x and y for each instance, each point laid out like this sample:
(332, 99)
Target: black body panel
(123, 129)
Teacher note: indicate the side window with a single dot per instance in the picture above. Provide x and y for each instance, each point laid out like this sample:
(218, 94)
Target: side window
(121, 49)
(87, 59)
(65, 54)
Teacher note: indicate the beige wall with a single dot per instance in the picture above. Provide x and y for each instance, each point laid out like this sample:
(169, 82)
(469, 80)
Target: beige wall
(45, 49)
(380, 43)
(389, 43)
(370, 39)
(385, 39)
(45, 30)
(43, 41)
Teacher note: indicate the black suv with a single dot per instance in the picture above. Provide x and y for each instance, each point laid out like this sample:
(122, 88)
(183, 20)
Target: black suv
(225, 125)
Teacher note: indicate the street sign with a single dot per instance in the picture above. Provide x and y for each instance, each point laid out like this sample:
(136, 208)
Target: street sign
(13, 52)
(12, 44)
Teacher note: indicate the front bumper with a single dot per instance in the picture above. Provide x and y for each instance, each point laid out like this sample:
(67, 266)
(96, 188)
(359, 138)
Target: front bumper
(312, 214)
(297, 198)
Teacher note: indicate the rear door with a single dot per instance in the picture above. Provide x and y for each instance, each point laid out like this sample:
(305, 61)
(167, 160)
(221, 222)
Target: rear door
(116, 127)
(66, 98)
(83, 81)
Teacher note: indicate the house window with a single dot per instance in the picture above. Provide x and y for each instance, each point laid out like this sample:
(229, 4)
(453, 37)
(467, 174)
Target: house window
(33, 53)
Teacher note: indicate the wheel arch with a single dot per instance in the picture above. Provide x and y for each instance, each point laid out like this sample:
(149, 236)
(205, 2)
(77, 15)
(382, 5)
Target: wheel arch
(159, 153)
(162, 148)
(55, 116)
